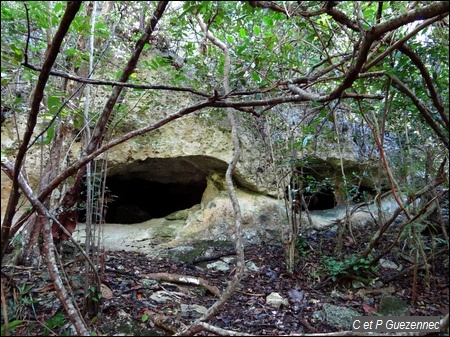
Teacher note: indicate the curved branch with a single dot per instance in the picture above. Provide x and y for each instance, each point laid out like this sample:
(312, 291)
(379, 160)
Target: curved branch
(268, 4)
(424, 111)
(117, 83)
(98, 132)
(338, 16)
(374, 33)
(287, 99)
(428, 81)
(343, 19)
(168, 277)
(400, 42)
(230, 187)
(8, 168)
(44, 217)
(392, 181)
(435, 9)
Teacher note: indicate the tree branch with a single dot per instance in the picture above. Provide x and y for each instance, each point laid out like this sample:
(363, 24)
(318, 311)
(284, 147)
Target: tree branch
(117, 83)
(374, 33)
(424, 111)
(435, 8)
(71, 170)
(184, 279)
(368, 37)
(72, 9)
(400, 42)
(230, 187)
(98, 132)
(435, 97)
(44, 219)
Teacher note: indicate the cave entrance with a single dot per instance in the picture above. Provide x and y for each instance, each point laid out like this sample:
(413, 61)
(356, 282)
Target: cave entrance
(318, 192)
(323, 199)
(153, 189)
(138, 200)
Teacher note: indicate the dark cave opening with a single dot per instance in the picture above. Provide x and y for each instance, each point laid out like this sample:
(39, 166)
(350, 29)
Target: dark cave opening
(318, 193)
(153, 188)
(324, 199)
(321, 200)
(136, 200)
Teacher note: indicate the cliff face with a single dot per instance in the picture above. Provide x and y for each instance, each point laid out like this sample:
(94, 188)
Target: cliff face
(180, 167)
(176, 174)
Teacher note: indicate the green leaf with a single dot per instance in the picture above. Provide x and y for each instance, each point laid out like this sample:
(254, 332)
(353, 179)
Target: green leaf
(17, 52)
(71, 51)
(369, 13)
(18, 100)
(54, 103)
(268, 21)
(58, 7)
(57, 320)
(81, 25)
(144, 318)
(242, 32)
(256, 77)
(256, 30)
(12, 325)
(47, 139)
(306, 140)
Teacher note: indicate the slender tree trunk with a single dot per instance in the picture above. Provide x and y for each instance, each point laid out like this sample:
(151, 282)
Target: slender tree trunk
(44, 217)
(52, 52)
(214, 309)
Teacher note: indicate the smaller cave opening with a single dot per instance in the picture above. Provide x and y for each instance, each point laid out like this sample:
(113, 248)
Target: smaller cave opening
(321, 200)
(362, 193)
(318, 194)
(136, 200)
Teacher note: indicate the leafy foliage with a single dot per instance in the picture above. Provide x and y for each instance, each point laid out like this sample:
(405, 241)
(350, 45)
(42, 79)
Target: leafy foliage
(352, 267)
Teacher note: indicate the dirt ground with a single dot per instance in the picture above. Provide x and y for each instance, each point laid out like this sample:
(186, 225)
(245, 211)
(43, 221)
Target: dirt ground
(127, 306)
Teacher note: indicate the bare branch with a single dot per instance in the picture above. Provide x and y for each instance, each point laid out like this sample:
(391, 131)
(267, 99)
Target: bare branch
(44, 218)
(117, 83)
(435, 8)
(230, 187)
(400, 42)
(424, 111)
(52, 52)
(71, 170)
(98, 132)
(184, 279)
(338, 16)
(343, 19)
(268, 4)
(435, 97)
(374, 33)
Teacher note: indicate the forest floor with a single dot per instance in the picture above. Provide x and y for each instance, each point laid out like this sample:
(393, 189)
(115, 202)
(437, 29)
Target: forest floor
(128, 308)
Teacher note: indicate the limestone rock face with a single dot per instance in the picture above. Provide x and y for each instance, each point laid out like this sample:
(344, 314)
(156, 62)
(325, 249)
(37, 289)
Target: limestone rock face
(176, 173)
(262, 216)
(199, 144)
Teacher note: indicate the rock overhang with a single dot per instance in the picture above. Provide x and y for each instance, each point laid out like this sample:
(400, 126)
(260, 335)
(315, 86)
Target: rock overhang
(155, 187)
